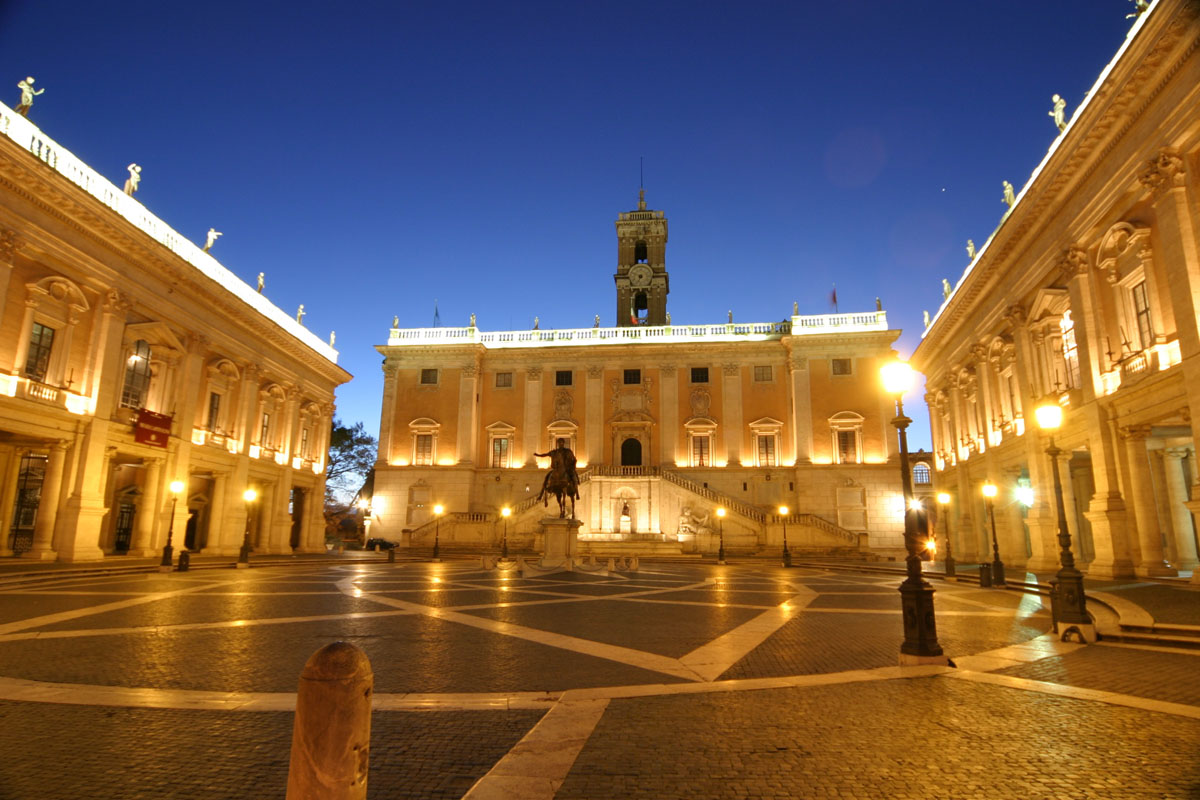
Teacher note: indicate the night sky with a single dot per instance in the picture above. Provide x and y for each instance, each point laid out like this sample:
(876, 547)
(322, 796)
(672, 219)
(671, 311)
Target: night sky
(373, 158)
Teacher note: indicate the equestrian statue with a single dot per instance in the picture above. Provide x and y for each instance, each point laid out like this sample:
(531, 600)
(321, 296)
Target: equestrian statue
(562, 481)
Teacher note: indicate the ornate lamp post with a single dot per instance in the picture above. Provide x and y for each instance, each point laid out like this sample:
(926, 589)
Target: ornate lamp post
(437, 524)
(177, 488)
(916, 595)
(989, 493)
(244, 557)
(364, 509)
(787, 554)
(943, 499)
(721, 533)
(1072, 605)
(505, 512)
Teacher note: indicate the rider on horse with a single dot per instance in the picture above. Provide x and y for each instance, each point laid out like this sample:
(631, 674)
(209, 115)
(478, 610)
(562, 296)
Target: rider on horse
(562, 471)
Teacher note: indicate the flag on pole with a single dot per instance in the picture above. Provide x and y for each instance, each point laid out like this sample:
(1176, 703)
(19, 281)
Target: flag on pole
(833, 298)
(437, 318)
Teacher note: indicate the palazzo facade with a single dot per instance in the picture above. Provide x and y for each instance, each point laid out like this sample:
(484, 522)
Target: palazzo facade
(132, 364)
(669, 422)
(1087, 295)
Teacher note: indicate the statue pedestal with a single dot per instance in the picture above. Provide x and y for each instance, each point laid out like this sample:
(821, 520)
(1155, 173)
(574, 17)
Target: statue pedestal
(561, 537)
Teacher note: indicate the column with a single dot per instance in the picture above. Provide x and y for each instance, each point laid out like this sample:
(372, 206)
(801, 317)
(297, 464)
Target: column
(147, 511)
(387, 413)
(47, 515)
(466, 437)
(1149, 538)
(8, 491)
(801, 419)
(10, 244)
(985, 392)
(668, 430)
(1106, 509)
(594, 415)
(247, 398)
(957, 431)
(1181, 518)
(532, 424)
(22, 351)
(222, 538)
(731, 413)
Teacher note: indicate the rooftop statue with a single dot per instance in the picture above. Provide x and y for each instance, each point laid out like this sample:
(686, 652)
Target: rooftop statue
(1139, 7)
(971, 249)
(946, 290)
(332, 338)
(1057, 112)
(596, 324)
(925, 314)
(261, 277)
(536, 322)
(27, 95)
(395, 322)
(135, 177)
(1009, 198)
(213, 235)
(472, 320)
(300, 314)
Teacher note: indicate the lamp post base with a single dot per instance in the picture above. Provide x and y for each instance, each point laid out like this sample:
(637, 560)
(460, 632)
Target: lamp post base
(920, 631)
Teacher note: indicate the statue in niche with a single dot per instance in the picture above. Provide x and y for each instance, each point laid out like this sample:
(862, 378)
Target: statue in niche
(946, 290)
(1009, 197)
(971, 249)
(135, 178)
(211, 238)
(1056, 113)
(27, 95)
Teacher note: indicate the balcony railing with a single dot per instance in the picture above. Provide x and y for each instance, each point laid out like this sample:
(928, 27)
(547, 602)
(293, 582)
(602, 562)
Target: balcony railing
(643, 334)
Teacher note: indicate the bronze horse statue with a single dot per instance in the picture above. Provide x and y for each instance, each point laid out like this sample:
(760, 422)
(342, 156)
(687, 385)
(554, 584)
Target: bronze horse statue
(562, 481)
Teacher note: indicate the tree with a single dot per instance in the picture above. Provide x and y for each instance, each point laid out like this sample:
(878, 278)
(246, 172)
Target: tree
(351, 459)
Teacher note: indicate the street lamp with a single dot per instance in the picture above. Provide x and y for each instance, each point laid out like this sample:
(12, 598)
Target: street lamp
(505, 512)
(177, 487)
(989, 493)
(916, 594)
(787, 554)
(1072, 605)
(721, 533)
(437, 523)
(943, 499)
(244, 557)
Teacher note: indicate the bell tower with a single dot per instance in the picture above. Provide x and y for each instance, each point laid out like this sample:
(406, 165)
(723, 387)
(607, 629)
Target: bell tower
(642, 281)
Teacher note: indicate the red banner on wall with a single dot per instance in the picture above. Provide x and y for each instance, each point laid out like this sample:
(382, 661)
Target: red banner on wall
(152, 429)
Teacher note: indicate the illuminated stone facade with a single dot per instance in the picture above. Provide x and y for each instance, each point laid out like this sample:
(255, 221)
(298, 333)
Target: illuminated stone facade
(106, 314)
(1088, 294)
(669, 422)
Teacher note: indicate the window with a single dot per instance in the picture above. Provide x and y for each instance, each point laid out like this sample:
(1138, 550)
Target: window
(921, 475)
(847, 447)
(701, 450)
(766, 449)
(500, 452)
(633, 377)
(1070, 350)
(1141, 313)
(762, 374)
(264, 434)
(304, 443)
(841, 366)
(562, 377)
(214, 410)
(38, 360)
(429, 377)
(423, 453)
(699, 374)
(137, 376)
(639, 252)
(503, 380)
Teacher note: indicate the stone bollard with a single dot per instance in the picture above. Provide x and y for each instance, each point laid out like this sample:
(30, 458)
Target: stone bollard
(331, 735)
(185, 560)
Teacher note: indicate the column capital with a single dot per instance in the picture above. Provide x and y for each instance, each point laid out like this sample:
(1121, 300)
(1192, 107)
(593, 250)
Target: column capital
(1135, 432)
(1073, 261)
(1163, 172)
(10, 245)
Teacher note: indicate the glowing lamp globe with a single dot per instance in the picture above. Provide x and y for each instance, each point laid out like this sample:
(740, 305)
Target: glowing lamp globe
(783, 511)
(176, 487)
(249, 495)
(1049, 416)
(438, 509)
(943, 498)
(897, 377)
(720, 512)
(506, 511)
(989, 490)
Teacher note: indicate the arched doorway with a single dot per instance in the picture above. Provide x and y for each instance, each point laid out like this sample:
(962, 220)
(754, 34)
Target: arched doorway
(631, 453)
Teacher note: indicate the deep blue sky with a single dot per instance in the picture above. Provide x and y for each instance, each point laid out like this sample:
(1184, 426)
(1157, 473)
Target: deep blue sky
(373, 157)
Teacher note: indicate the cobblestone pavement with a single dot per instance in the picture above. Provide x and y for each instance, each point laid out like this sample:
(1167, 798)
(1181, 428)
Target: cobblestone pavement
(680, 680)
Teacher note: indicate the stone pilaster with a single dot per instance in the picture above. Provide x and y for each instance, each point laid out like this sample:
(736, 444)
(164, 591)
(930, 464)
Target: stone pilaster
(731, 413)
(47, 514)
